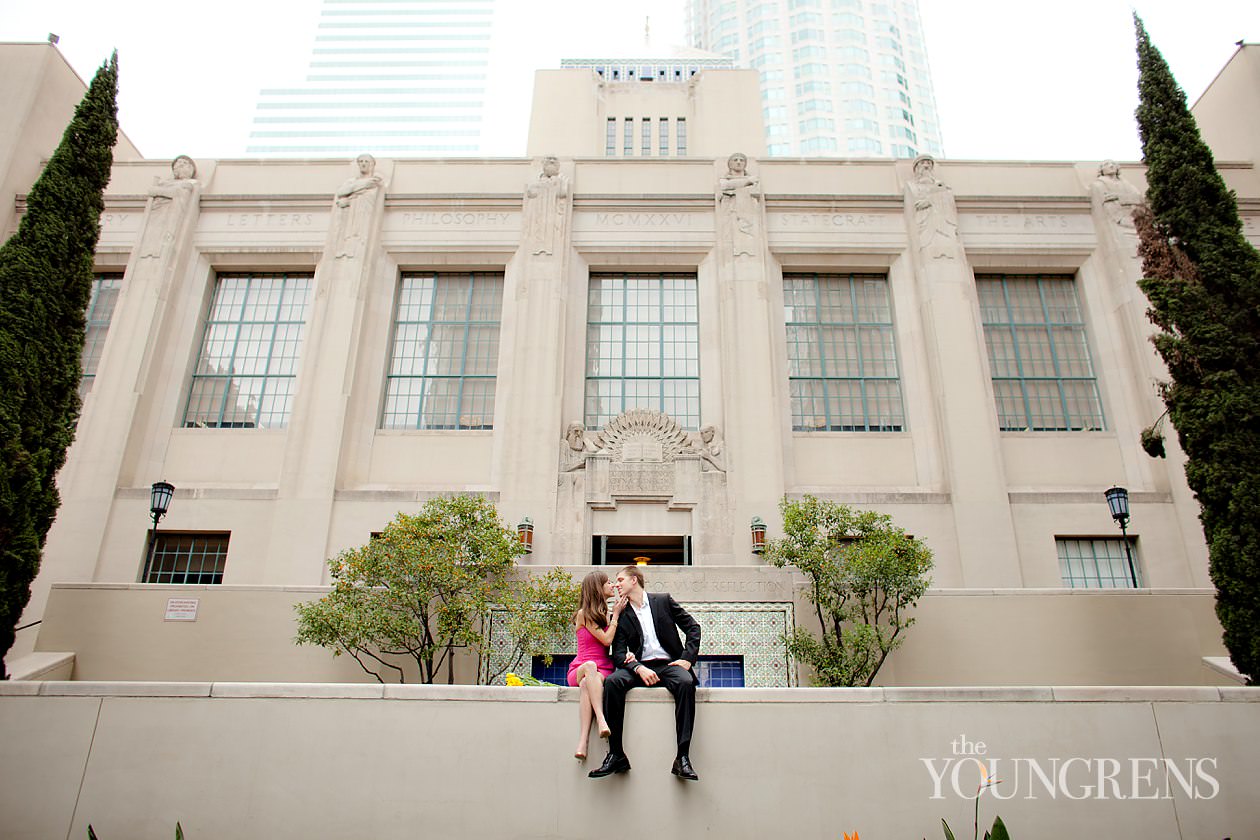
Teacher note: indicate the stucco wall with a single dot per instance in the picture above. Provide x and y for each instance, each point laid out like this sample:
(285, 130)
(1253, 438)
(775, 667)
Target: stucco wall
(258, 760)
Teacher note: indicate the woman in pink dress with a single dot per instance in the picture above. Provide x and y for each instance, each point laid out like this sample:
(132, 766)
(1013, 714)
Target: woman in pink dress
(595, 628)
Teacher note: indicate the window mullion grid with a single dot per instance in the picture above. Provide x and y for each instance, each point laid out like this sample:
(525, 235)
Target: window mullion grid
(271, 351)
(1019, 357)
(463, 355)
(428, 348)
(823, 367)
(857, 344)
(660, 342)
(236, 344)
(1054, 355)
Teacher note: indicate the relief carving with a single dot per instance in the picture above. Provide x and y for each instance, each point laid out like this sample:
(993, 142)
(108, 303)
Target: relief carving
(353, 206)
(1116, 196)
(169, 200)
(577, 445)
(739, 200)
(707, 443)
(935, 213)
(546, 208)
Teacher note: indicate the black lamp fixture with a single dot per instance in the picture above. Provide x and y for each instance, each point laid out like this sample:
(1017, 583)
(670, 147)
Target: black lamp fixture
(1118, 503)
(160, 495)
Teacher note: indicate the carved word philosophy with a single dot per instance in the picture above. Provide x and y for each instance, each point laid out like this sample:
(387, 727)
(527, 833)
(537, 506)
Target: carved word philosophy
(463, 219)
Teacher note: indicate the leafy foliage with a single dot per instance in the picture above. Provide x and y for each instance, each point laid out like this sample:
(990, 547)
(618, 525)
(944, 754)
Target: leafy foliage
(1202, 279)
(864, 574)
(423, 587)
(45, 285)
(536, 613)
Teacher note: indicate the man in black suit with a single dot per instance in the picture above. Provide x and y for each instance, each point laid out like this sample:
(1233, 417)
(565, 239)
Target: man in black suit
(647, 651)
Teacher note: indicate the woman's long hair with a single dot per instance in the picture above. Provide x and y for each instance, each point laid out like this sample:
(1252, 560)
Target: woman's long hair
(593, 608)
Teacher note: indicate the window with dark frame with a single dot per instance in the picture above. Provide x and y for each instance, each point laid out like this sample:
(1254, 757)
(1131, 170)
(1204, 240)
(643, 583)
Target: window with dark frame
(186, 557)
(445, 351)
(247, 365)
(100, 311)
(842, 356)
(1039, 358)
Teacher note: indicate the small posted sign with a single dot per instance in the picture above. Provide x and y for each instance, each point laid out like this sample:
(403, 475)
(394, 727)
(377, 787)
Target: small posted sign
(181, 609)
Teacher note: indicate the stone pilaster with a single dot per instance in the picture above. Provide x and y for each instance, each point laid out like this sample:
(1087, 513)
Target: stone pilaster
(317, 425)
(752, 425)
(529, 428)
(967, 418)
(139, 329)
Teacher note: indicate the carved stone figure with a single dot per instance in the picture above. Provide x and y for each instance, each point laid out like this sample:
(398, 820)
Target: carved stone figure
(169, 199)
(935, 213)
(1116, 196)
(353, 204)
(707, 443)
(577, 445)
(738, 196)
(546, 208)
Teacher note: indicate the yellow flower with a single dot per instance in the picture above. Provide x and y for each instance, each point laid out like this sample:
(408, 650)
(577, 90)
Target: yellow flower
(512, 679)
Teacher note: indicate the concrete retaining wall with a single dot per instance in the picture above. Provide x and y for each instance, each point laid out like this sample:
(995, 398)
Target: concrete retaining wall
(962, 637)
(355, 761)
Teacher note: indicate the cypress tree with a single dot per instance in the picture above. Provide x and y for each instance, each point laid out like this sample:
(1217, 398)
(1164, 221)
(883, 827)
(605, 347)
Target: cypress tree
(45, 285)
(1202, 279)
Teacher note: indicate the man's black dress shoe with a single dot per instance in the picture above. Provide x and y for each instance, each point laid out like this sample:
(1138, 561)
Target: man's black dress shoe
(613, 763)
(682, 769)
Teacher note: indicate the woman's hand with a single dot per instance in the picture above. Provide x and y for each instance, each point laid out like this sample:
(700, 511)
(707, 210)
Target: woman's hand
(619, 604)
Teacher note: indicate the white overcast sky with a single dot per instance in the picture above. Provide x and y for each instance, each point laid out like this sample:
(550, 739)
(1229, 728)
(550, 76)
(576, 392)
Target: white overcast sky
(1014, 79)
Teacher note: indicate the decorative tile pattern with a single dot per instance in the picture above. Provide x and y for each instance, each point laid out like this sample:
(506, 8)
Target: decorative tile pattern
(754, 631)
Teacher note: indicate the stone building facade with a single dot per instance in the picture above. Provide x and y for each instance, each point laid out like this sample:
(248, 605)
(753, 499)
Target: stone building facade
(640, 355)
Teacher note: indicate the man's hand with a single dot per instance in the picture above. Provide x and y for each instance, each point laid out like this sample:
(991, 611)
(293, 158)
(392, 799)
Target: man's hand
(648, 676)
(682, 663)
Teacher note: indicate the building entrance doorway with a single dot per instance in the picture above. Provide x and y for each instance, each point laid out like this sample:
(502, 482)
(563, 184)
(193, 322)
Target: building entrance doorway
(623, 550)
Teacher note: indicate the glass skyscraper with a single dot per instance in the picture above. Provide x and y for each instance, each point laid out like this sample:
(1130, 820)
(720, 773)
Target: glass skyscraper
(842, 78)
(400, 78)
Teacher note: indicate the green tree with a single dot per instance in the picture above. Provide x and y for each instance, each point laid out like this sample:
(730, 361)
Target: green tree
(1203, 282)
(45, 284)
(424, 587)
(863, 573)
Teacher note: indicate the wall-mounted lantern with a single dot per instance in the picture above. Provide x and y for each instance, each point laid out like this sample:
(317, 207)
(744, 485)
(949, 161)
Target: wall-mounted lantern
(1118, 504)
(642, 561)
(758, 535)
(160, 495)
(525, 534)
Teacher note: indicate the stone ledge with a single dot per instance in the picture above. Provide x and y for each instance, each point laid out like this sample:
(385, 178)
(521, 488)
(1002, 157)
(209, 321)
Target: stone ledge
(969, 694)
(1240, 694)
(42, 665)
(323, 691)
(1137, 694)
(125, 689)
(535, 694)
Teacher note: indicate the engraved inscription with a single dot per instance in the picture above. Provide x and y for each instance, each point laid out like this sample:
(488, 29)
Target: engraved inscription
(456, 219)
(261, 220)
(115, 219)
(641, 479)
(641, 219)
(1021, 222)
(856, 221)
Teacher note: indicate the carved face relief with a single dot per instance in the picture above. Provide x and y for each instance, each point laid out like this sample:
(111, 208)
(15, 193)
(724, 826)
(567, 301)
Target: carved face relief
(551, 167)
(706, 434)
(366, 164)
(737, 163)
(925, 169)
(1109, 169)
(183, 168)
